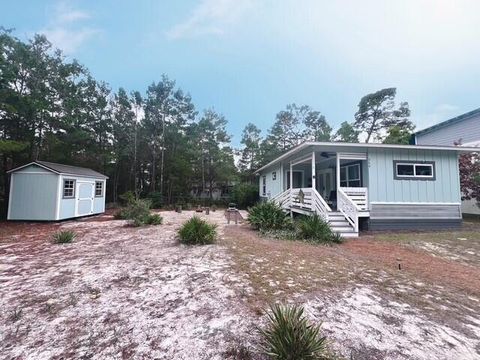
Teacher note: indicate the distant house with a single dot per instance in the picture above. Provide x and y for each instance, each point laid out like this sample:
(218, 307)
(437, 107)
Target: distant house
(374, 186)
(464, 129)
(48, 191)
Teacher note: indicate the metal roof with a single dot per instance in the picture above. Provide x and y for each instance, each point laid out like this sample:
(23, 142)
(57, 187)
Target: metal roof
(63, 169)
(333, 145)
(454, 120)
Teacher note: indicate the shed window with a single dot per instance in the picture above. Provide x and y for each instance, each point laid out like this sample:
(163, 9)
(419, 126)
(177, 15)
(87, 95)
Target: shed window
(413, 170)
(68, 188)
(98, 188)
(264, 185)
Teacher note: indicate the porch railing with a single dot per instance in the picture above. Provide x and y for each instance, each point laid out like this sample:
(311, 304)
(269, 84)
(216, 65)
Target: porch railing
(282, 199)
(310, 200)
(358, 195)
(348, 208)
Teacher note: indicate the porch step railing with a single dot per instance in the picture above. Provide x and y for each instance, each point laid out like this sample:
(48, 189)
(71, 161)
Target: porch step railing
(358, 195)
(282, 199)
(348, 208)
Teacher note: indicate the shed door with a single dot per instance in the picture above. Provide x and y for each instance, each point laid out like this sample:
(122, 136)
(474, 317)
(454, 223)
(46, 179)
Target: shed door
(85, 195)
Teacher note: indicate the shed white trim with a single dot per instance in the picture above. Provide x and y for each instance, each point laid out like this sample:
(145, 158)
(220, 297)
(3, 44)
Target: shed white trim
(10, 197)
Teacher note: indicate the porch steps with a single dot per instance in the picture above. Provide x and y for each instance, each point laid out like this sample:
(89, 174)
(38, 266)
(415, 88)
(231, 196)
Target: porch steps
(337, 221)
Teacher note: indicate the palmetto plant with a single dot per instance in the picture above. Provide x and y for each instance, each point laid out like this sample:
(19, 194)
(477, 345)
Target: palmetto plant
(197, 232)
(290, 336)
(314, 228)
(267, 216)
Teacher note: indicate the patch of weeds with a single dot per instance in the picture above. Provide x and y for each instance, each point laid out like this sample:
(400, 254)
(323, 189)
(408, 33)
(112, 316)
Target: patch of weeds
(154, 219)
(197, 232)
(289, 335)
(238, 352)
(16, 314)
(64, 237)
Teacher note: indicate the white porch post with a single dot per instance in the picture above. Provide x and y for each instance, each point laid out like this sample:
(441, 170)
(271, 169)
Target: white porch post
(314, 185)
(291, 187)
(338, 172)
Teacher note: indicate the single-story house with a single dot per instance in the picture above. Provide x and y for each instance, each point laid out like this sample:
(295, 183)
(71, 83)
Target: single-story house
(463, 129)
(42, 190)
(371, 186)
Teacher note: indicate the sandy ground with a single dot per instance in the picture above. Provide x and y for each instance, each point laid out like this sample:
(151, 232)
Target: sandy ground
(117, 292)
(121, 292)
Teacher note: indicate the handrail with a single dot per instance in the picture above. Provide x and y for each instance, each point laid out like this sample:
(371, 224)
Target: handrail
(348, 208)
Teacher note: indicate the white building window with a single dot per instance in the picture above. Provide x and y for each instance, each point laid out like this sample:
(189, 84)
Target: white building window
(98, 188)
(350, 176)
(408, 170)
(264, 185)
(68, 188)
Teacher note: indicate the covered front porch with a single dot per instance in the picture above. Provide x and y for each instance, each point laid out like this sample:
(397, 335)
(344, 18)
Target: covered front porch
(330, 184)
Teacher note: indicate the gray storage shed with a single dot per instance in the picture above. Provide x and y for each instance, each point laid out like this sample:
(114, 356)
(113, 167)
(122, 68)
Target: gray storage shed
(48, 191)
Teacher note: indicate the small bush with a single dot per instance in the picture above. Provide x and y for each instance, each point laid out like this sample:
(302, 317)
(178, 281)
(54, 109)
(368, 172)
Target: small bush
(245, 195)
(289, 335)
(64, 237)
(314, 228)
(268, 216)
(154, 219)
(197, 232)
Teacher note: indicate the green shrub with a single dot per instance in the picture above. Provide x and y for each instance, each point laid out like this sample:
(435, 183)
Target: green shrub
(268, 216)
(154, 219)
(64, 237)
(245, 195)
(314, 228)
(137, 211)
(289, 335)
(156, 199)
(127, 197)
(197, 232)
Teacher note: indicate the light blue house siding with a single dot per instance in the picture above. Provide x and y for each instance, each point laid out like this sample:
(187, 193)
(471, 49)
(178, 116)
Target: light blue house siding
(26, 202)
(383, 187)
(274, 181)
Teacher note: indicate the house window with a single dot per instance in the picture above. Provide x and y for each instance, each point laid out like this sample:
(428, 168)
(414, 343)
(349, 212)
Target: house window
(68, 189)
(264, 185)
(98, 188)
(350, 176)
(408, 170)
(274, 175)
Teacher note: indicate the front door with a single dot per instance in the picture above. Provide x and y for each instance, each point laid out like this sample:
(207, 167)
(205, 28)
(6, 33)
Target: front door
(85, 195)
(325, 183)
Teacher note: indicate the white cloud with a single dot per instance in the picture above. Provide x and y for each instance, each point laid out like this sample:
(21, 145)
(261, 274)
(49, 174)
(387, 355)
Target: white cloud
(66, 29)
(440, 113)
(211, 17)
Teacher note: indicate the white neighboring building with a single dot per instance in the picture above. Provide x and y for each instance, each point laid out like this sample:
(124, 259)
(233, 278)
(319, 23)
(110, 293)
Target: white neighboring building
(464, 128)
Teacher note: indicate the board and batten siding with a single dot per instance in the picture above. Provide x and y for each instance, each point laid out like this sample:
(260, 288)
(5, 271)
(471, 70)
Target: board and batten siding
(413, 204)
(26, 202)
(383, 187)
(274, 187)
(468, 130)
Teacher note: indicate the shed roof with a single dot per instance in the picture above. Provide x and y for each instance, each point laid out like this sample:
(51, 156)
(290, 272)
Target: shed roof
(451, 121)
(63, 169)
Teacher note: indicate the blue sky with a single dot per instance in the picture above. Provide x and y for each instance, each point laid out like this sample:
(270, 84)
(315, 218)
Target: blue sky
(248, 59)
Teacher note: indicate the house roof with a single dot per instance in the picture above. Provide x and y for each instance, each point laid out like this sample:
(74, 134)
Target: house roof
(454, 120)
(63, 169)
(334, 145)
